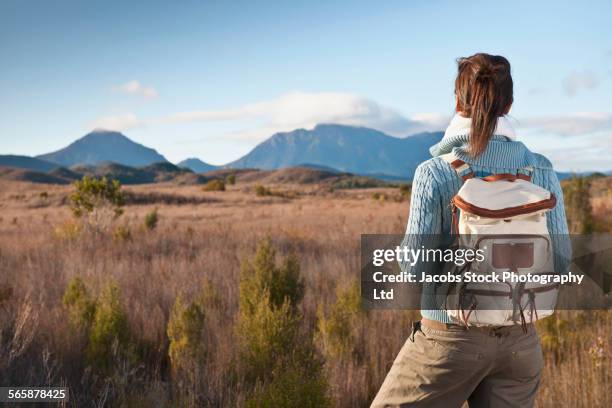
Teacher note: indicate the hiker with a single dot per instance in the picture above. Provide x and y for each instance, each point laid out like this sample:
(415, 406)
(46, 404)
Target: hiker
(458, 354)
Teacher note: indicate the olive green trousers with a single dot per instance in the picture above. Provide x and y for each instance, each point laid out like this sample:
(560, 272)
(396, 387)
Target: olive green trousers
(447, 367)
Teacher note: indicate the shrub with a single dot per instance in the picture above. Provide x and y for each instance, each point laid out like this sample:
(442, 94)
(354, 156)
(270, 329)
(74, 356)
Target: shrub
(151, 220)
(214, 185)
(293, 386)
(186, 349)
(267, 335)
(99, 201)
(576, 193)
(262, 276)
(275, 356)
(231, 179)
(69, 230)
(262, 191)
(91, 193)
(122, 233)
(81, 307)
(340, 329)
(405, 191)
(109, 335)
(185, 333)
(379, 196)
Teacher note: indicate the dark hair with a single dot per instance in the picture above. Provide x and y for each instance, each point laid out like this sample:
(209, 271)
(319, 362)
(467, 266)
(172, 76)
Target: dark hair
(484, 92)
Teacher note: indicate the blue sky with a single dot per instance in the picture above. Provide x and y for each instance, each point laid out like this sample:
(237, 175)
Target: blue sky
(213, 79)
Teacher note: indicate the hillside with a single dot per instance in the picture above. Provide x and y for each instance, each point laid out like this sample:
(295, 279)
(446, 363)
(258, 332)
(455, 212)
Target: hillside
(197, 165)
(26, 162)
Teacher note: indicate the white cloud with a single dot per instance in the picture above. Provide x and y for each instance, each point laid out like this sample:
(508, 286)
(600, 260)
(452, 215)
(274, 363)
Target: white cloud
(573, 124)
(119, 122)
(134, 87)
(307, 109)
(577, 81)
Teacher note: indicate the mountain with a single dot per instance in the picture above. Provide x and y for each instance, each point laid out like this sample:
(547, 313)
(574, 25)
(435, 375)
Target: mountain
(104, 146)
(351, 149)
(26, 162)
(197, 165)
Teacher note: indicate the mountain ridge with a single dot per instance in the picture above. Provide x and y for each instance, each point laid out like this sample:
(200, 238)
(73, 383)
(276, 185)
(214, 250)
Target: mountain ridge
(101, 146)
(353, 149)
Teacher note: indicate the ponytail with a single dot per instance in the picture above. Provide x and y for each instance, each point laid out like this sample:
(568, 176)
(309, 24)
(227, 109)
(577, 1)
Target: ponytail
(484, 91)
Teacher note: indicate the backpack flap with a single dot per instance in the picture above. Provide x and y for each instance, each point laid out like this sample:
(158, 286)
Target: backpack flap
(503, 198)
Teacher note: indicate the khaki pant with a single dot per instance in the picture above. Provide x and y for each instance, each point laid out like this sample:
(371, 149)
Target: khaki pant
(446, 367)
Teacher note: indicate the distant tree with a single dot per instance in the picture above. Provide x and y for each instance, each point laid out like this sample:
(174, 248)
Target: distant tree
(97, 200)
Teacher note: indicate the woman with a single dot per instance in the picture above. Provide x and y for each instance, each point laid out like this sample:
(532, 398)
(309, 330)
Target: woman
(443, 364)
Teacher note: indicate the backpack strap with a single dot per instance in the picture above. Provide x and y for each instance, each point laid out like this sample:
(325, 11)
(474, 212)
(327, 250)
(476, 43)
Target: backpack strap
(525, 173)
(463, 170)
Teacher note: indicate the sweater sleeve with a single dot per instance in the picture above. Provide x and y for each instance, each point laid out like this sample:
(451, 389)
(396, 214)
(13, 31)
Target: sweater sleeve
(425, 210)
(425, 219)
(557, 225)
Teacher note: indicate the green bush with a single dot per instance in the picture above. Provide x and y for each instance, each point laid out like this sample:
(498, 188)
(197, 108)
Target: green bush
(231, 179)
(379, 196)
(405, 191)
(262, 276)
(267, 335)
(276, 357)
(184, 331)
(109, 335)
(340, 329)
(81, 306)
(151, 220)
(293, 386)
(214, 185)
(186, 349)
(262, 191)
(92, 193)
(122, 233)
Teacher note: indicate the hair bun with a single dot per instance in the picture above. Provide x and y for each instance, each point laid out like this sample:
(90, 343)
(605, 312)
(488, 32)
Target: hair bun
(483, 73)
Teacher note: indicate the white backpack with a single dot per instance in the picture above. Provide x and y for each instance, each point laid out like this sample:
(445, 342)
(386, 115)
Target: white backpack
(505, 216)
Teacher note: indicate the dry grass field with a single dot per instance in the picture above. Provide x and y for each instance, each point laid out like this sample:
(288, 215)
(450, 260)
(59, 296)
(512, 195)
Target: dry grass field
(198, 246)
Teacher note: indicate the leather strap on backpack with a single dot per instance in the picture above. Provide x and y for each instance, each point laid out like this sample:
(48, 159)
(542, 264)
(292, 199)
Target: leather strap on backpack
(463, 169)
(465, 172)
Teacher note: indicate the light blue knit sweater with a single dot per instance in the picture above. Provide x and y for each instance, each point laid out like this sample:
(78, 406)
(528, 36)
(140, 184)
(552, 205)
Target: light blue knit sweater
(435, 183)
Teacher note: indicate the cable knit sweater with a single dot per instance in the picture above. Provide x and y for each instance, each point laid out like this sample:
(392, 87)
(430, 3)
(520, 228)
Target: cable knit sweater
(435, 183)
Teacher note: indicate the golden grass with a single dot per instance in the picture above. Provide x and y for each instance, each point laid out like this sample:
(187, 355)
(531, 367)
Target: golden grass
(207, 240)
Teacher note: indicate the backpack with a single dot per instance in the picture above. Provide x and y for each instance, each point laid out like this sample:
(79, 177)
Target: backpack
(503, 215)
